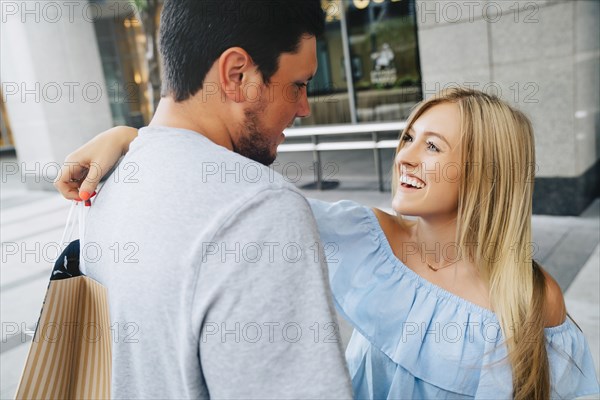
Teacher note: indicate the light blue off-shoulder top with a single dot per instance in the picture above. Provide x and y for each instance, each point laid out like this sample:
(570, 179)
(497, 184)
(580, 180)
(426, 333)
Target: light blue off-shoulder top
(415, 340)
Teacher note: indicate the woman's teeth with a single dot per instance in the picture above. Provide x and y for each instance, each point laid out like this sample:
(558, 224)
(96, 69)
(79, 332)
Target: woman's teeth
(407, 181)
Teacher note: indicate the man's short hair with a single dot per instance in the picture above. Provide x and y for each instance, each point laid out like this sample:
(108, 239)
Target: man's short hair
(194, 34)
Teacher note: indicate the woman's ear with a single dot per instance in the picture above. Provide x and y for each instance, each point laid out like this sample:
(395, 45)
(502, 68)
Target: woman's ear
(235, 66)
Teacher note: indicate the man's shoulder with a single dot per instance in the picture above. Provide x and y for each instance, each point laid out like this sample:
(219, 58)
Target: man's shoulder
(270, 209)
(180, 151)
(276, 201)
(246, 174)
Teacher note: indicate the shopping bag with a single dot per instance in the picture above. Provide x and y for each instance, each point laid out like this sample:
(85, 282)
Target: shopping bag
(70, 355)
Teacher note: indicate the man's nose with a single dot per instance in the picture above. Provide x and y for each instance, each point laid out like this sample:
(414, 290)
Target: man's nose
(303, 106)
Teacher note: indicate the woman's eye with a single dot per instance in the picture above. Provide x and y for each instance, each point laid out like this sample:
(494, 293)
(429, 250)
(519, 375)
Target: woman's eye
(433, 147)
(407, 138)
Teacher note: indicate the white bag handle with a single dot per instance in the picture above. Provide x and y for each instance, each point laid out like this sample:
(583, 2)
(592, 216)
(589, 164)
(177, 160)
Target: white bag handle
(68, 231)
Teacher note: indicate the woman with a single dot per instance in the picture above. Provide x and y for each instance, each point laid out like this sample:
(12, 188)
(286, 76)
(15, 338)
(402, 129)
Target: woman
(448, 303)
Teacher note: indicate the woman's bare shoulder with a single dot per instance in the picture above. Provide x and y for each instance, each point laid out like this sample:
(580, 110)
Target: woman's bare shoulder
(554, 308)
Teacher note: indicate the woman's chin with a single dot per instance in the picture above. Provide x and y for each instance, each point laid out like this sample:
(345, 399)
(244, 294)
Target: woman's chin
(408, 206)
(401, 207)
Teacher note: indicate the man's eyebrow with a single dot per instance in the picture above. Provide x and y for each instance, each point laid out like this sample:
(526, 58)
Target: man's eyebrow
(430, 133)
(307, 79)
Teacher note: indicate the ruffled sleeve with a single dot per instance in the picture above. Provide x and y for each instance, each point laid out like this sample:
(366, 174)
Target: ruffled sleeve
(432, 340)
(418, 326)
(572, 371)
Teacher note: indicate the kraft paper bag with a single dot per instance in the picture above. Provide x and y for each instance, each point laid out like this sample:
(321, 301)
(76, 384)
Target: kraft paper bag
(70, 356)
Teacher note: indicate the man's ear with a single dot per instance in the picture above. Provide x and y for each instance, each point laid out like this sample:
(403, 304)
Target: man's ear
(235, 66)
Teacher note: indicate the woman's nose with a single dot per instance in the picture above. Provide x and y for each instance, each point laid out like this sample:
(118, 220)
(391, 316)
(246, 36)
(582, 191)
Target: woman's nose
(407, 155)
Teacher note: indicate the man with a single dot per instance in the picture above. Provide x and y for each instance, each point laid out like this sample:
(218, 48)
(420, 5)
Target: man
(216, 279)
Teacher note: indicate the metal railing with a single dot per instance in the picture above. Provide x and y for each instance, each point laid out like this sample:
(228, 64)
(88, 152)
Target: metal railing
(314, 132)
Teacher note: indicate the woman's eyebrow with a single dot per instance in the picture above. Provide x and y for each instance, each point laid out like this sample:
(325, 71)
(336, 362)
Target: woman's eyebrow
(431, 133)
(439, 135)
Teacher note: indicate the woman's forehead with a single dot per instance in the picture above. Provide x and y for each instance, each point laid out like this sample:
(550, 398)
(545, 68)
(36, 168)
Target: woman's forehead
(443, 119)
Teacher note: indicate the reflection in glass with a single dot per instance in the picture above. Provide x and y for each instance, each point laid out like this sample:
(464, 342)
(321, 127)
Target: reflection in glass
(384, 60)
(121, 42)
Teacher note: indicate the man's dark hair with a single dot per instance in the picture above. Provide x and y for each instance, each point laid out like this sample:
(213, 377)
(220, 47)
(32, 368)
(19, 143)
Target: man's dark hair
(194, 34)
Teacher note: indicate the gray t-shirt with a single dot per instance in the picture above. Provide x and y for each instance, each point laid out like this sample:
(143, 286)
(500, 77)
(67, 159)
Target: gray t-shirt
(216, 278)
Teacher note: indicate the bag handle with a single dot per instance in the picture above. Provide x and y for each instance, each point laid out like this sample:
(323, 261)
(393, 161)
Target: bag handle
(68, 231)
(69, 226)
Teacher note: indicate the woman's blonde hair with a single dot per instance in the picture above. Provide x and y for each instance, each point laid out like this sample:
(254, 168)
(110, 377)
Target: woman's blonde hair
(494, 212)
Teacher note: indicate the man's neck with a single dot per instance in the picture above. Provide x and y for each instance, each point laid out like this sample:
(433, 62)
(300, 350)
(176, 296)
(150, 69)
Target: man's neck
(183, 115)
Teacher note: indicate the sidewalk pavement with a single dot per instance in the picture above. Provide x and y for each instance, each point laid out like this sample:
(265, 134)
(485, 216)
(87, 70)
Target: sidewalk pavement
(31, 222)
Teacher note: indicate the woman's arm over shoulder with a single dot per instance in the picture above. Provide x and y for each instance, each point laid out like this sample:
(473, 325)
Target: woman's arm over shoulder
(100, 154)
(554, 307)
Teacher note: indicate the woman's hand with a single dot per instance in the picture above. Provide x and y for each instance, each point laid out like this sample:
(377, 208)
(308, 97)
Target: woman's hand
(82, 169)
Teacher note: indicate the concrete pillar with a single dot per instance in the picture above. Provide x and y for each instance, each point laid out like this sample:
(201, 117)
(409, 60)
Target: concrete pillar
(541, 56)
(52, 82)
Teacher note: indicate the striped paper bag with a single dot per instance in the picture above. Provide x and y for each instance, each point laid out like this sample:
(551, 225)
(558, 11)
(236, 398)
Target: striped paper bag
(70, 355)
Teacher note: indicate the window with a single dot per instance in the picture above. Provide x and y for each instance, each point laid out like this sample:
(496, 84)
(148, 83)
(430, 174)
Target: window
(382, 37)
(122, 42)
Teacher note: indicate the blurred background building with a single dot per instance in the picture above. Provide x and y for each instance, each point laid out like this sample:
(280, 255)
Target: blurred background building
(72, 69)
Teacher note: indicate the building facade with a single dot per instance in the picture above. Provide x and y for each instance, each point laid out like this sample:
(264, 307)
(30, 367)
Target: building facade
(542, 56)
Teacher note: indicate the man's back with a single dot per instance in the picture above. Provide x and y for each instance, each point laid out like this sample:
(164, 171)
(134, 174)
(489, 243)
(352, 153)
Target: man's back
(216, 280)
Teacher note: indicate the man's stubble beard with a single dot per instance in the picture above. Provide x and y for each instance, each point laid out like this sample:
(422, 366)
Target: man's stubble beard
(252, 143)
